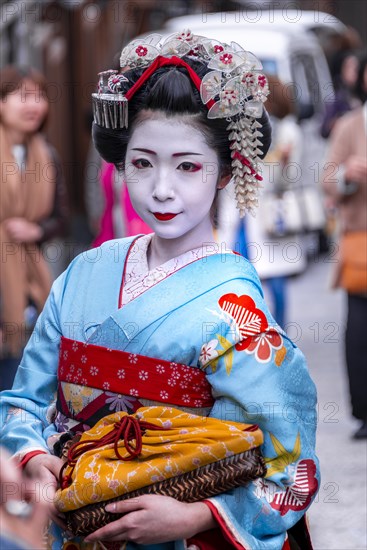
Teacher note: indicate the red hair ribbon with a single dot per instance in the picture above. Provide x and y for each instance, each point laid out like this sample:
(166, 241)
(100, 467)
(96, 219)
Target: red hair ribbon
(159, 62)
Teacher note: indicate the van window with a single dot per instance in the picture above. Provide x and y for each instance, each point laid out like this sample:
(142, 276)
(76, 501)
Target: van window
(270, 66)
(304, 75)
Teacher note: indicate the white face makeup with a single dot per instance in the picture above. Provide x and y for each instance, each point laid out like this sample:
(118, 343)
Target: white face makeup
(172, 177)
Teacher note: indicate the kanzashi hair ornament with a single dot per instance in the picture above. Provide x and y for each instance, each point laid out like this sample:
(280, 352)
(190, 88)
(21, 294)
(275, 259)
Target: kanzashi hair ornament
(234, 90)
(109, 103)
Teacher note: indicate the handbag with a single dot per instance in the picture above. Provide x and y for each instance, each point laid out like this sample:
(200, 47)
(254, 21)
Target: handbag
(282, 213)
(312, 209)
(157, 450)
(353, 249)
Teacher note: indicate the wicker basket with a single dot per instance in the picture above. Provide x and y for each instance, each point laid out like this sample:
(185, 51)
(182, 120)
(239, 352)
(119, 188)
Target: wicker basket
(204, 482)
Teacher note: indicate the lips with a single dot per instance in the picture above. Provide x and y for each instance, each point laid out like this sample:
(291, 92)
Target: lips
(164, 217)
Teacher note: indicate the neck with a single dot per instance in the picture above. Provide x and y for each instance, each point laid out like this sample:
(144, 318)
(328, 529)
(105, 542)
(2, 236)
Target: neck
(15, 137)
(161, 250)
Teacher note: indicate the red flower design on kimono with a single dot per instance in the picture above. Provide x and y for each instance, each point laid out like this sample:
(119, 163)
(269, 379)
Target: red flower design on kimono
(248, 318)
(251, 323)
(263, 344)
(298, 495)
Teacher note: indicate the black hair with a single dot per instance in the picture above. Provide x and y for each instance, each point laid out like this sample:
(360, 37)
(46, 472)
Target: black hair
(360, 88)
(336, 66)
(171, 92)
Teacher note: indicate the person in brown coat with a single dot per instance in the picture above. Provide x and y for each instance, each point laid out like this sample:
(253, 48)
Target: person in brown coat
(33, 208)
(345, 183)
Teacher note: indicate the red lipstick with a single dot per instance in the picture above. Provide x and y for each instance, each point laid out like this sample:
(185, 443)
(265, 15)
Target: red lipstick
(164, 217)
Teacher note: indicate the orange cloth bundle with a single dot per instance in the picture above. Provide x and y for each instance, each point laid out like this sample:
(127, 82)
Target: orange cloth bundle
(123, 453)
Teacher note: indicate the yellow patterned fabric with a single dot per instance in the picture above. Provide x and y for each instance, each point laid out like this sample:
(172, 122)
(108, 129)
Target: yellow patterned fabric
(182, 443)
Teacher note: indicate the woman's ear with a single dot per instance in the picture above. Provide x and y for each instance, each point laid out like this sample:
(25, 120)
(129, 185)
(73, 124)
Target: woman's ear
(224, 180)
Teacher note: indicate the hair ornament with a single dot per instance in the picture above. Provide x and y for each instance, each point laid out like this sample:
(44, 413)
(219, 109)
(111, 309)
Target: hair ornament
(234, 89)
(109, 103)
(114, 82)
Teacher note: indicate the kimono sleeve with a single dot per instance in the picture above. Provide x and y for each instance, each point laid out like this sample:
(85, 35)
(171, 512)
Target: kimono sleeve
(27, 409)
(259, 376)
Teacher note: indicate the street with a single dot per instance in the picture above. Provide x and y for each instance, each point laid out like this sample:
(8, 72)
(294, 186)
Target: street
(316, 322)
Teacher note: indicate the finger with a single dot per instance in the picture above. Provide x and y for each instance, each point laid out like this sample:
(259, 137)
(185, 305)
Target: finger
(113, 529)
(117, 538)
(48, 486)
(55, 467)
(125, 506)
(47, 473)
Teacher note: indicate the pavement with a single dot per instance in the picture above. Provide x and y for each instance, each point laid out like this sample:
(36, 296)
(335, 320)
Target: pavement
(316, 322)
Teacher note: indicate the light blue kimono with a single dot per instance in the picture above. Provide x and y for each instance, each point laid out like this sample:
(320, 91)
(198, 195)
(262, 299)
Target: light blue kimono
(209, 314)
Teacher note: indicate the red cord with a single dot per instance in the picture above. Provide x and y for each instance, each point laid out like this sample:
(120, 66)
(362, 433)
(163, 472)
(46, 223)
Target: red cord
(128, 429)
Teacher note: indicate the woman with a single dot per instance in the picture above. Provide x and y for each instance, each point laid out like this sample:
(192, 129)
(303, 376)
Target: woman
(33, 208)
(345, 184)
(170, 296)
(344, 70)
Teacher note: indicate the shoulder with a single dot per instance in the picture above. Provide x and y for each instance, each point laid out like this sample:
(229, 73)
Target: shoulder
(113, 251)
(102, 261)
(233, 265)
(349, 121)
(235, 274)
(108, 248)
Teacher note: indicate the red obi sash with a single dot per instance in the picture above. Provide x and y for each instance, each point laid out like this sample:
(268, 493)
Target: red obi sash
(131, 374)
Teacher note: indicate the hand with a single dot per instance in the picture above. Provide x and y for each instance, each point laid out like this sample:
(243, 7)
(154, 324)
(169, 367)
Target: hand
(151, 519)
(356, 169)
(46, 469)
(21, 230)
(14, 489)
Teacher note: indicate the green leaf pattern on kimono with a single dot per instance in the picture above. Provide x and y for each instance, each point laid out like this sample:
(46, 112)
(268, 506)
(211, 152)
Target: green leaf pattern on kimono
(283, 457)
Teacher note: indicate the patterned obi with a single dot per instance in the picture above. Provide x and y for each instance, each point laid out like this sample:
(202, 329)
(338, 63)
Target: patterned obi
(95, 381)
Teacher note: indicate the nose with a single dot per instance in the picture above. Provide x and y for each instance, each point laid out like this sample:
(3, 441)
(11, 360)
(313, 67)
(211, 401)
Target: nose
(163, 188)
(36, 106)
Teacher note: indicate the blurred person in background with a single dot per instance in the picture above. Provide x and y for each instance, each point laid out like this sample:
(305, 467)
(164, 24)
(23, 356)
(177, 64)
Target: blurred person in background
(115, 216)
(345, 183)
(267, 239)
(344, 70)
(103, 202)
(33, 209)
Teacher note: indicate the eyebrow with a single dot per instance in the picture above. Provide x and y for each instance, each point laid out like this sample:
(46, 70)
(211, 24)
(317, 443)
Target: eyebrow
(174, 155)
